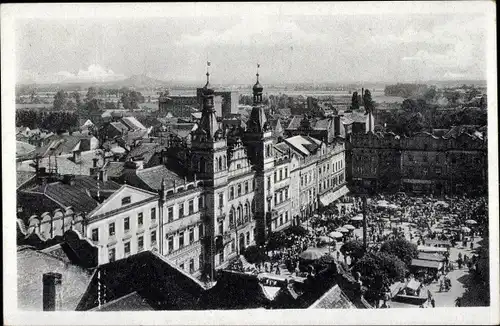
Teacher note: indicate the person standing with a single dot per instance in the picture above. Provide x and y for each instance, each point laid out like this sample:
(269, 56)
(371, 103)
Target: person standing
(433, 303)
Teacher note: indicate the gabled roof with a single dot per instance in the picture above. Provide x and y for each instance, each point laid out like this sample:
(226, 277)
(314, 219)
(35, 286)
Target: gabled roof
(151, 276)
(23, 176)
(23, 149)
(137, 194)
(334, 298)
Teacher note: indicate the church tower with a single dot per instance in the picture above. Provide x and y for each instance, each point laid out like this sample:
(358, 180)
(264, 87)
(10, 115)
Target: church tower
(209, 163)
(258, 139)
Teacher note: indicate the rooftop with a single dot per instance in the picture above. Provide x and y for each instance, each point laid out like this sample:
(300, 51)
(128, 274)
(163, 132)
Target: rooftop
(334, 298)
(304, 144)
(151, 178)
(32, 264)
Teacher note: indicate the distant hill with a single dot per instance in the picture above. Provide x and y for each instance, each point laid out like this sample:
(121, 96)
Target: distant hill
(135, 81)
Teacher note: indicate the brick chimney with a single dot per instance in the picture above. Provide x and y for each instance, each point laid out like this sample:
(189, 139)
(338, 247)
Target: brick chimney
(52, 292)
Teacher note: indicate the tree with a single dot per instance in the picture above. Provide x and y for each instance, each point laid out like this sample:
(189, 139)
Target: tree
(91, 94)
(296, 230)
(254, 254)
(353, 248)
(401, 248)
(110, 106)
(355, 101)
(60, 100)
(483, 103)
(277, 240)
(378, 271)
(430, 94)
(368, 102)
(78, 100)
(131, 100)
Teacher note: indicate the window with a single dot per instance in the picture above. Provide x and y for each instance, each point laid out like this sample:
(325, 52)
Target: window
(111, 254)
(181, 210)
(239, 190)
(254, 185)
(200, 202)
(153, 237)
(221, 227)
(246, 187)
(221, 200)
(181, 239)
(286, 172)
(126, 224)
(126, 247)
(281, 174)
(200, 230)
(268, 183)
(281, 196)
(200, 260)
(181, 266)
(191, 266)
(111, 229)
(126, 200)
(191, 207)
(170, 213)
(301, 181)
(275, 199)
(140, 243)
(286, 217)
(438, 170)
(140, 219)
(231, 193)
(275, 176)
(170, 243)
(233, 247)
(191, 235)
(95, 234)
(248, 238)
(153, 214)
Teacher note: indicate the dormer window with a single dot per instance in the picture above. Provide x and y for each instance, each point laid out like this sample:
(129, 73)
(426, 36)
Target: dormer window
(126, 200)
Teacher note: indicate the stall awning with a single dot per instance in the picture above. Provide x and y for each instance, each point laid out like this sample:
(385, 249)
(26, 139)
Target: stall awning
(331, 196)
(426, 263)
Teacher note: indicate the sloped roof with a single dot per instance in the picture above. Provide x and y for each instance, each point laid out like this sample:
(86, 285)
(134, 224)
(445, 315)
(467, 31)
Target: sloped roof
(66, 196)
(32, 264)
(23, 176)
(425, 263)
(354, 116)
(114, 169)
(153, 277)
(334, 298)
(23, 148)
(151, 178)
(304, 144)
(429, 256)
(120, 127)
(132, 123)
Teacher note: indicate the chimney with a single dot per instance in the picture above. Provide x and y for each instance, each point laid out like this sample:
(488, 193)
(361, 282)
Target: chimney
(77, 156)
(52, 292)
(103, 175)
(336, 125)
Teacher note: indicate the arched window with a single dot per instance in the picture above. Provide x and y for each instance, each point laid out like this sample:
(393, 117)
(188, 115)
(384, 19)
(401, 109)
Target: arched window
(231, 216)
(247, 212)
(224, 162)
(238, 215)
(231, 192)
(220, 163)
(239, 189)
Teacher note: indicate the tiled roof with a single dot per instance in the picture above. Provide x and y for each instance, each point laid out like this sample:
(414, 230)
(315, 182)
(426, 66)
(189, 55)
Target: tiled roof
(65, 163)
(316, 124)
(65, 196)
(154, 278)
(333, 299)
(114, 169)
(23, 148)
(151, 178)
(23, 177)
(32, 264)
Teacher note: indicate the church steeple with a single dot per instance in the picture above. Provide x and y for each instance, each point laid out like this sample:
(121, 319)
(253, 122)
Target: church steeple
(208, 122)
(257, 121)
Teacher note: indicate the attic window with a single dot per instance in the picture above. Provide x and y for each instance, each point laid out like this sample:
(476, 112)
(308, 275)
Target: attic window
(126, 200)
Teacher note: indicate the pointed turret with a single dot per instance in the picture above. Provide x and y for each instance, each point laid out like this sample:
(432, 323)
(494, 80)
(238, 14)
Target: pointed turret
(208, 123)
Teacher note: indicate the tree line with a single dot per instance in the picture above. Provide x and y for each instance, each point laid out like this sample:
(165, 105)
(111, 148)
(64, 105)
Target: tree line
(53, 121)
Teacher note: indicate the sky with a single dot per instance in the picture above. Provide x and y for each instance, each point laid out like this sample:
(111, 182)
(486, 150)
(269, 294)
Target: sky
(290, 48)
